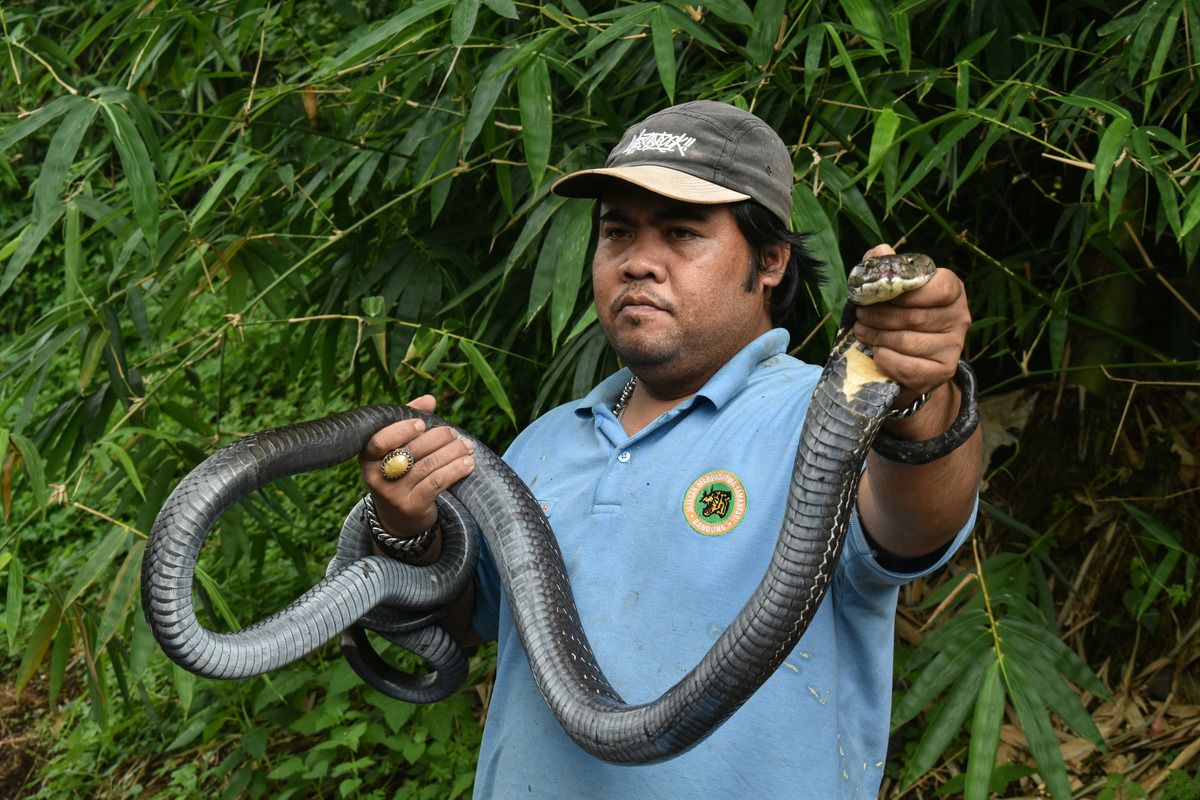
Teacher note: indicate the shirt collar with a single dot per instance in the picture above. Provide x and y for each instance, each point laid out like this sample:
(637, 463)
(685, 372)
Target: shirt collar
(720, 389)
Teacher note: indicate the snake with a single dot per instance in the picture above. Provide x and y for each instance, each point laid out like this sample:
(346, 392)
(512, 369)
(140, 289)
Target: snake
(363, 590)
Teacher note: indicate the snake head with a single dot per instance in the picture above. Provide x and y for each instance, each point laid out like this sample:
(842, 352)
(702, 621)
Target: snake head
(883, 278)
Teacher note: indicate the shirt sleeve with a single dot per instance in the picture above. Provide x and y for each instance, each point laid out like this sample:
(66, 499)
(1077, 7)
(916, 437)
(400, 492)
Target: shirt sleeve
(863, 568)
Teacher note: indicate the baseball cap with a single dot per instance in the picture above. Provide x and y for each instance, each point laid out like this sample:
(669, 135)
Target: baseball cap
(699, 152)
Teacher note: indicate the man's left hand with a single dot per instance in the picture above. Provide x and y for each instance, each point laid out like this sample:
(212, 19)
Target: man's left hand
(919, 336)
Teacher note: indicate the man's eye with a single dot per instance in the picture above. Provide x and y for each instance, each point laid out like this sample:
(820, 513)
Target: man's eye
(615, 233)
(682, 233)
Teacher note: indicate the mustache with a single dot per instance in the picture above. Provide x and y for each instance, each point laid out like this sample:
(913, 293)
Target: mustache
(635, 294)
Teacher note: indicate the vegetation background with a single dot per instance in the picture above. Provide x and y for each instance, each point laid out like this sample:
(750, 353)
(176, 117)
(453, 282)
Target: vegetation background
(225, 216)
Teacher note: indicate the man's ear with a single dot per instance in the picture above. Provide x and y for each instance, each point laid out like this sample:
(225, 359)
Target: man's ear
(774, 260)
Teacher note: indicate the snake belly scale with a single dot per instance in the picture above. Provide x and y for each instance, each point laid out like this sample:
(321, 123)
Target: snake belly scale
(849, 404)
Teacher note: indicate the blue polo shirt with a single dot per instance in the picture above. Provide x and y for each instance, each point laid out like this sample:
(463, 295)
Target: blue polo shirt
(665, 534)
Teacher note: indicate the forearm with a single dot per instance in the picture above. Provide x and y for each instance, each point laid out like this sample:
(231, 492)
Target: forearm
(912, 510)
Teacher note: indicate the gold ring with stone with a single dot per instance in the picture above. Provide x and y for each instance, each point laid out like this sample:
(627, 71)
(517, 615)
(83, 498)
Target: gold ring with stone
(396, 464)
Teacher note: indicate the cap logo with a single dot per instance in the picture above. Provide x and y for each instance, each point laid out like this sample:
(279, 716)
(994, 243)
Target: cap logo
(661, 142)
(715, 503)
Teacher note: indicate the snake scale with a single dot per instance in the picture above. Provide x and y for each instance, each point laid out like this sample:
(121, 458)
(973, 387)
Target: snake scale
(850, 401)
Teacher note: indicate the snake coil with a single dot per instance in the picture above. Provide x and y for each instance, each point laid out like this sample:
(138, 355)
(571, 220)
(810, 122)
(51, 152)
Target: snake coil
(849, 404)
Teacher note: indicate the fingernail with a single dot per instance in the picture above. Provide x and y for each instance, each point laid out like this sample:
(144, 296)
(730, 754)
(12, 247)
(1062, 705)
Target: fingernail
(468, 461)
(418, 425)
(469, 442)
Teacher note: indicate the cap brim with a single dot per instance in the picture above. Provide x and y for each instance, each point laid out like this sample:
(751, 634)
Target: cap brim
(661, 180)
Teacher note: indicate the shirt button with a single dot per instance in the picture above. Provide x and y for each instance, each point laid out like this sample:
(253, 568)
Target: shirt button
(624, 456)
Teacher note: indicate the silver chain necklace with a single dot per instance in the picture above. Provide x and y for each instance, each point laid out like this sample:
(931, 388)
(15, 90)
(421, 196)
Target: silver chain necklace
(623, 400)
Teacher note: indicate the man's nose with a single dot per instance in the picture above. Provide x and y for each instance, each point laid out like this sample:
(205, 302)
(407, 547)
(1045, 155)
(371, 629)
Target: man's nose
(646, 259)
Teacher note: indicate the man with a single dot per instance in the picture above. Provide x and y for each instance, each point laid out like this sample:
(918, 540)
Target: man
(666, 484)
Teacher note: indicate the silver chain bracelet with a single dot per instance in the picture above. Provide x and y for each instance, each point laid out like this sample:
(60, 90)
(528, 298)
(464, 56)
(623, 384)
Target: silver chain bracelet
(402, 549)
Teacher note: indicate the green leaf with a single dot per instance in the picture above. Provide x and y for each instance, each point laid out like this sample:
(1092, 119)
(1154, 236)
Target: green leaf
(217, 191)
(887, 122)
(537, 123)
(185, 687)
(846, 62)
(731, 11)
(368, 45)
(537, 220)
(570, 248)
(664, 50)
(809, 217)
(945, 721)
(35, 468)
(490, 380)
(462, 21)
(949, 665)
(867, 20)
(58, 662)
(628, 20)
(761, 44)
(1112, 142)
(1035, 723)
(985, 733)
(487, 91)
(47, 113)
(127, 465)
(504, 8)
(38, 643)
(124, 588)
(937, 155)
(139, 173)
(101, 557)
(47, 208)
(14, 597)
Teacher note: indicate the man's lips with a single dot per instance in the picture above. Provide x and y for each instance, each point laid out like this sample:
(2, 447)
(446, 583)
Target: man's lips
(637, 302)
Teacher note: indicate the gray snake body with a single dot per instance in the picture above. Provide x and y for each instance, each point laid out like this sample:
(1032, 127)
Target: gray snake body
(850, 402)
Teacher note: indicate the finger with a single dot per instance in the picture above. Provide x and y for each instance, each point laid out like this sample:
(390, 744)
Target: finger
(426, 403)
(440, 477)
(943, 289)
(388, 438)
(879, 250)
(420, 447)
(915, 373)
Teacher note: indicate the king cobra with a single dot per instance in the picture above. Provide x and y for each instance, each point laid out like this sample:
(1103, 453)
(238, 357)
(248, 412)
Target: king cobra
(361, 589)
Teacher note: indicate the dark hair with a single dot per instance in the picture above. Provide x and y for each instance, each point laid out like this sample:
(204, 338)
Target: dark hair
(763, 229)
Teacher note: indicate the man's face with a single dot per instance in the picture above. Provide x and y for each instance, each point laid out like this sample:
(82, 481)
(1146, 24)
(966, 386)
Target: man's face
(670, 284)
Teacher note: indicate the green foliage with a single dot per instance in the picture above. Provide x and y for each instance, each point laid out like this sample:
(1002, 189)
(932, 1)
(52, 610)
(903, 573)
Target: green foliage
(223, 217)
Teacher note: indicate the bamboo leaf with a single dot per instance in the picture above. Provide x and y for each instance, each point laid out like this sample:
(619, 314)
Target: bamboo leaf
(760, 46)
(536, 106)
(867, 20)
(624, 24)
(462, 21)
(366, 46)
(1035, 723)
(35, 467)
(949, 665)
(490, 380)
(936, 156)
(946, 720)
(570, 248)
(38, 643)
(886, 124)
(126, 463)
(537, 220)
(1112, 142)
(101, 557)
(484, 99)
(985, 733)
(664, 50)
(731, 11)
(58, 662)
(846, 62)
(14, 597)
(185, 687)
(139, 173)
(503, 8)
(47, 113)
(121, 596)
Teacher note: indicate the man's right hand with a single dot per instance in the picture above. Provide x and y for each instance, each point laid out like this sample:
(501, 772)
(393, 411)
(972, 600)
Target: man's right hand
(407, 506)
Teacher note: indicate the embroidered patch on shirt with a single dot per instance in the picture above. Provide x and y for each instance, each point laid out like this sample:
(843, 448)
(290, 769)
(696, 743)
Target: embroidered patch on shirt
(715, 503)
